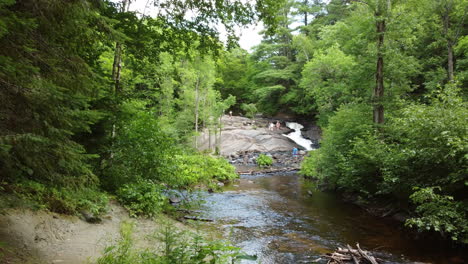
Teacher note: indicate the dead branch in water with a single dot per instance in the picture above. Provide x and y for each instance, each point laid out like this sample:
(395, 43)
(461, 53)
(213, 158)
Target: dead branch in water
(351, 256)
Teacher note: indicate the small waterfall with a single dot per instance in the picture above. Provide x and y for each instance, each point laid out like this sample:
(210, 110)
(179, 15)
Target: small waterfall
(296, 136)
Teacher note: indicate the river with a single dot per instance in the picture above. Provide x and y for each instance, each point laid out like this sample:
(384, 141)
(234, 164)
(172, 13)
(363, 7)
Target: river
(274, 217)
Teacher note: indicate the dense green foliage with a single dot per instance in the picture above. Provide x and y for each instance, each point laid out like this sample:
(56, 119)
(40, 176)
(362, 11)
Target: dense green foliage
(386, 81)
(264, 160)
(143, 198)
(177, 247)
(417, 158)
(94, 96)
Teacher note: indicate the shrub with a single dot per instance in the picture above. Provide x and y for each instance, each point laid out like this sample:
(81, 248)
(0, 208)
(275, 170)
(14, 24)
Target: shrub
(420, 145)
(143, 198)
(332, 161)
(61, 200)
(264, 160)
(178, 247)
(195, 168)
(440, 213)
(140, 150)
(309, 167)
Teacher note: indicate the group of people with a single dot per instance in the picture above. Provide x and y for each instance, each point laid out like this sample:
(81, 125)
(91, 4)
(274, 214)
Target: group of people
(272, 126)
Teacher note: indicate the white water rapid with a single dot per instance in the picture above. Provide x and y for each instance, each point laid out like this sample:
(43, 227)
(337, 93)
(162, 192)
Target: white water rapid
(297, 137)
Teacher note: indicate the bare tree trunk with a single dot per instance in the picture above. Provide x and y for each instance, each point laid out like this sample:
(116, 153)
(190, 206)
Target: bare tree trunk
(197, 99)
(450, 66)
(306, 3)
(446, 21)
(209, 139)
(117, 67)
(215, 137)
(379, 76)
(220, 131)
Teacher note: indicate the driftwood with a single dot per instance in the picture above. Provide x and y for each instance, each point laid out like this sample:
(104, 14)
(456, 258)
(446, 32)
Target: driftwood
(196, 218)
(350, 250)
(351, 256)
(253, 172)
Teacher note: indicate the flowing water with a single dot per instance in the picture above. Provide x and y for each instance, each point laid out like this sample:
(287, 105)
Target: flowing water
(296, 135)
(274, 217)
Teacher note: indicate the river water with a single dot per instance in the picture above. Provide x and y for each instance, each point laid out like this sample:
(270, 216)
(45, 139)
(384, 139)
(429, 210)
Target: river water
(275, 218)
(296, 135)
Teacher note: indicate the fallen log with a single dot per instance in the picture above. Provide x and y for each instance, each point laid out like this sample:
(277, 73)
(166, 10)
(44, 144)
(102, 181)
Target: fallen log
(196, 218)
(351, 256)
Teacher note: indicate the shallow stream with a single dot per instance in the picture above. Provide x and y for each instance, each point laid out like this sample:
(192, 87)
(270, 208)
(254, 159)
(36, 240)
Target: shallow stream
(275, 218)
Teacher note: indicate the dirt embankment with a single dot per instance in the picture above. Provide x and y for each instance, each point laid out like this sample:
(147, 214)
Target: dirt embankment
(38, 237)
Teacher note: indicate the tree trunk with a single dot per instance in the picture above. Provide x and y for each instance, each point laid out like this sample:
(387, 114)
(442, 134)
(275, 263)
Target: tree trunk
(446, 21)
(215, 138)
(117, 67)
(306, 3)
(220, 131)
(197, 99)
(450, 61)
(209, 139)
(379, 76)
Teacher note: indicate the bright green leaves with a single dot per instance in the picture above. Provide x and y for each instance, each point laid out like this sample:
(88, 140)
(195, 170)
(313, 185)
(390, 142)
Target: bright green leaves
(249, 109)
(143, 197)
(420, 145)
(440, 213)
(326, 80)
(194, 169)
(264, 160)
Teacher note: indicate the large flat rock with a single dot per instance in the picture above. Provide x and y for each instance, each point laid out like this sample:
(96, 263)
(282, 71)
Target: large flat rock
(242, 134)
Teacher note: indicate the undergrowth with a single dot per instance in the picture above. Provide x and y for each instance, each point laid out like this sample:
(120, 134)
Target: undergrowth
(64, 200)
(175, 246)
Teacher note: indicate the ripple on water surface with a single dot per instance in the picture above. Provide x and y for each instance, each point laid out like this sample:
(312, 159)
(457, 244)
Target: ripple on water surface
(273, 217)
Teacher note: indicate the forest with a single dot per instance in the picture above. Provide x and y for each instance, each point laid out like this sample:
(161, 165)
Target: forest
(100, 102)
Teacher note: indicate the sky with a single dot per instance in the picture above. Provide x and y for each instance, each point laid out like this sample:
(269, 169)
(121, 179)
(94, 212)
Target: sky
(249, 36)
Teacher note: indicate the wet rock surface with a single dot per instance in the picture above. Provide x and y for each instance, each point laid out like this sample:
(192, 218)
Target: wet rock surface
(280, 158)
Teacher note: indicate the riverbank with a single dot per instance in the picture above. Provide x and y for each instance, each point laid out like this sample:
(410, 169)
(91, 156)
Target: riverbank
(41, 237)
(283, 219)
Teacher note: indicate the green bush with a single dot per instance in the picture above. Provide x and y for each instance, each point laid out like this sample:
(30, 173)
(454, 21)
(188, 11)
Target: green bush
(440, 213)
(309, 167)
(143, 198)
(140, 150)
(196, 168)
(331, 162)
(264, 160)
(420, 145)
(143, 151)
(178, 247)
(61, 200)
(249, 110)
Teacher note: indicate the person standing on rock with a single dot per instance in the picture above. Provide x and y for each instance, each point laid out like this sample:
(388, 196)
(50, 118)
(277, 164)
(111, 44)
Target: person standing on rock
(230, 115)
(278, 125)
(271, 126)
(294, 153)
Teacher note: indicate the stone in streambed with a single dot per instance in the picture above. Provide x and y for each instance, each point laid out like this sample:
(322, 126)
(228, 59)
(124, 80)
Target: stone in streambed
(174, 199)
